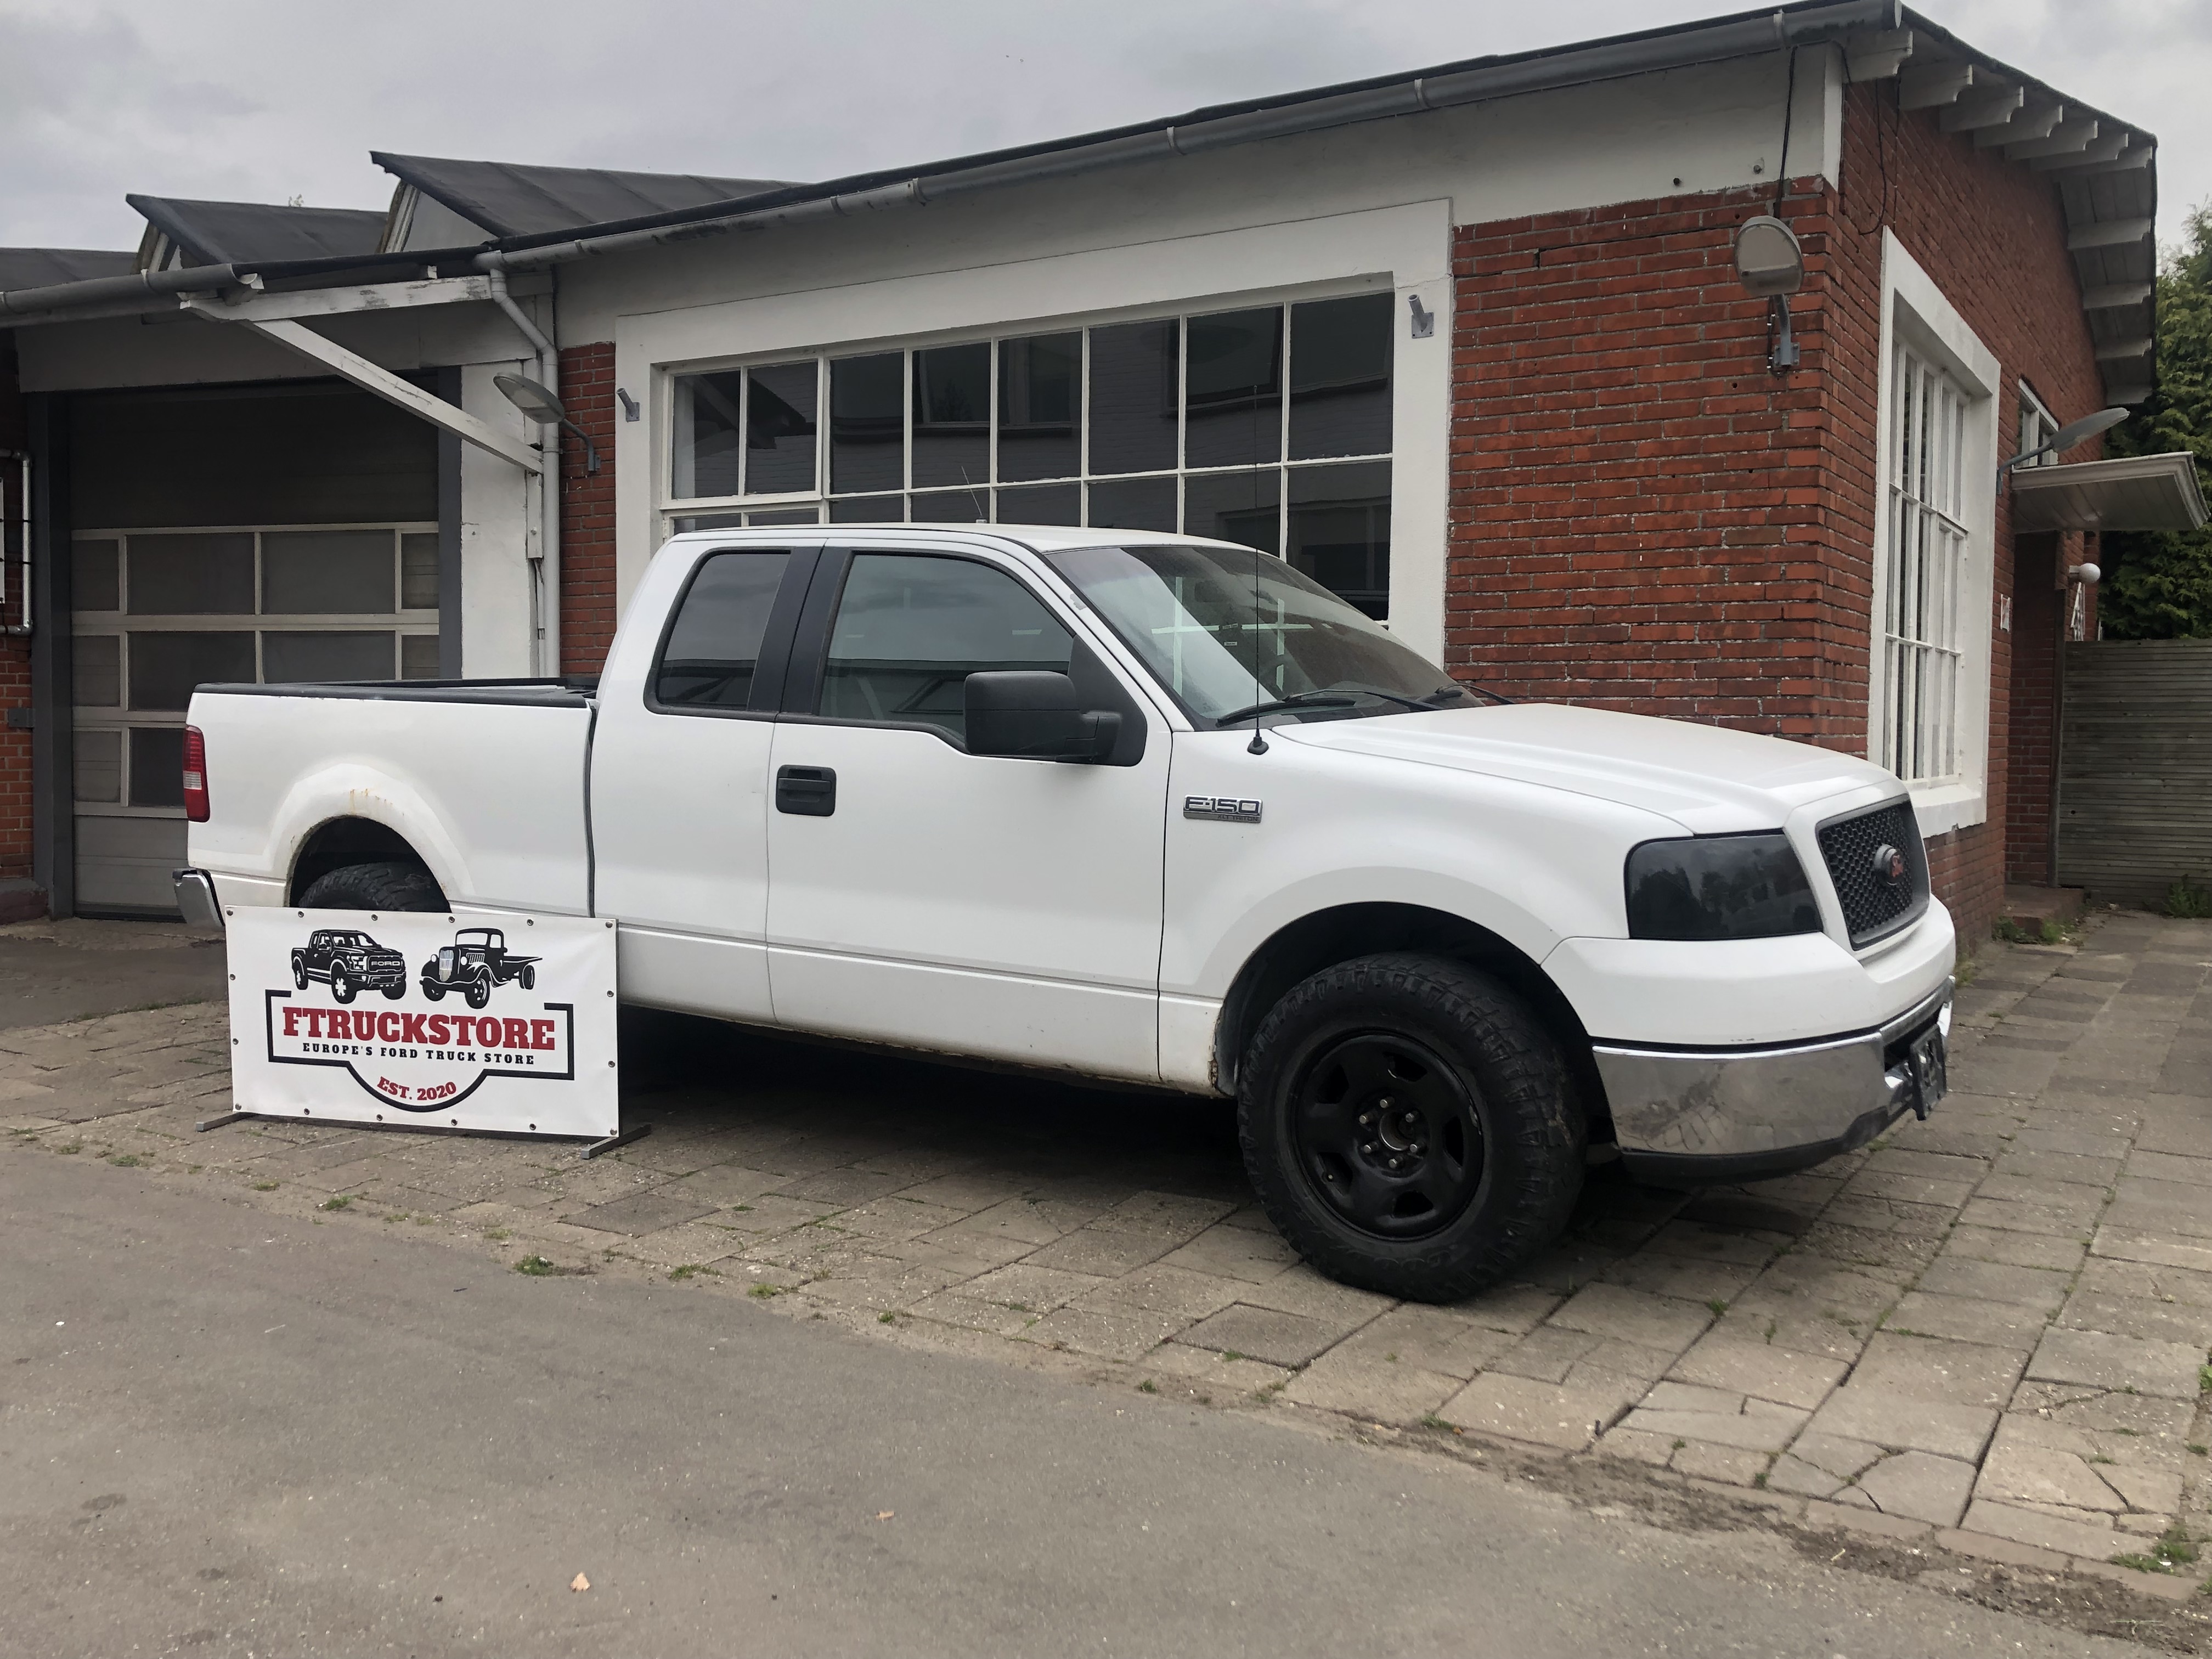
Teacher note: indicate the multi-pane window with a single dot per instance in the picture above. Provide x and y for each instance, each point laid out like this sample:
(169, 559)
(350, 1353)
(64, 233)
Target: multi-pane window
(1923, 626)
(158, 612)
(1268, 425)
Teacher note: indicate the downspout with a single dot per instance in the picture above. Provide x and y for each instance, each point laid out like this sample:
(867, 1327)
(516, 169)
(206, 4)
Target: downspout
(22, 458)
(545, 566)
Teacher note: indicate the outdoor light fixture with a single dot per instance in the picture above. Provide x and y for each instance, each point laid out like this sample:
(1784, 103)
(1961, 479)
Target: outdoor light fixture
(1770, 265)
(2066, 437)
(2086, 574)
(546, 410)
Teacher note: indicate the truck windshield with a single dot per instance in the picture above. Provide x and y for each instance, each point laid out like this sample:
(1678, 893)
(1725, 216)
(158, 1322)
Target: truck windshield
(1233, 634)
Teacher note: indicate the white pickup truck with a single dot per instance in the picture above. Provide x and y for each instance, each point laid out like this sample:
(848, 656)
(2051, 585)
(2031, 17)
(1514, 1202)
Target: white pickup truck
(1158, 809)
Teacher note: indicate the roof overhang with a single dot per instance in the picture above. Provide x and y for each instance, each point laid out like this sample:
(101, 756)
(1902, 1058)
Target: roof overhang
(2132, 492)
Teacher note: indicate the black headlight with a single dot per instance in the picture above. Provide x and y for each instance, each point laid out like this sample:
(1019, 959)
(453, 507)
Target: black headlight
(1719, 887)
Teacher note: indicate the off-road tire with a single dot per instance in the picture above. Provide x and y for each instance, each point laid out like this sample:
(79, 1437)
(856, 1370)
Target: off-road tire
(393, 993)
(299, 973)
(393, 884)
(1533, 1128)
(342, 985)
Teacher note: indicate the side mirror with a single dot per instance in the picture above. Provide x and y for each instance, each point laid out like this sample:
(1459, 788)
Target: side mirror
(1031, 716)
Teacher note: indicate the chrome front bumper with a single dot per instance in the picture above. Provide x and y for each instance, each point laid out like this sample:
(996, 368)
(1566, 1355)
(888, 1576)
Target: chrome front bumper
(195, 898)
(1706, 1116)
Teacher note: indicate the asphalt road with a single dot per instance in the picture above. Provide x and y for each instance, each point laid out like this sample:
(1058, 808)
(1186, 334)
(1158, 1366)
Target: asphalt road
(223, 1433)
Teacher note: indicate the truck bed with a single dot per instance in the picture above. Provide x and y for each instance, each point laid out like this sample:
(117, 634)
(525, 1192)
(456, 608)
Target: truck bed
(496, 768)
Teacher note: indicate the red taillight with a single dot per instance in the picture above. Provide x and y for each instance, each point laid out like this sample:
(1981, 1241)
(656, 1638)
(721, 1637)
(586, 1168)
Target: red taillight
(195, 789)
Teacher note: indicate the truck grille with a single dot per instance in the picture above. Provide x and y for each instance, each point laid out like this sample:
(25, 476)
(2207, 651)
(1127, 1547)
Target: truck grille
(1874, 907)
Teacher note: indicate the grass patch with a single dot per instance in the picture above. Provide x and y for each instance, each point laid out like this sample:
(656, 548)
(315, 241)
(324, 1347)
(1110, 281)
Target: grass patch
(343, 1201)
(536, 1267)
(266, 1186)
(692, 1270)
(1431, 1421)
(2174, 1550)
(497, 1235)
(1148, 1387)
(2204, 1379)
(2198, 1448)
(1718, 1306)
(886, 1319)
(2189, 899)
(764, 1290)
(70, 1148)
(124, 1160)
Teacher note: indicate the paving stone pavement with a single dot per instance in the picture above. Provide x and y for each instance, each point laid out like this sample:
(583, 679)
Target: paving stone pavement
(1991, 1329)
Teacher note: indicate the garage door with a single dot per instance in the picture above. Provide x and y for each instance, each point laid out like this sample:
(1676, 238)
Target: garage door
(166, 595)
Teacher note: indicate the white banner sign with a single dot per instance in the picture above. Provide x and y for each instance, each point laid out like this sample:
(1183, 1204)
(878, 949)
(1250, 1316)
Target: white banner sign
(470, 1021)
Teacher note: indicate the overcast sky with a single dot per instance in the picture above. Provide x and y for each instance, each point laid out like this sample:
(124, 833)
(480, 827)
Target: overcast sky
(258, 101)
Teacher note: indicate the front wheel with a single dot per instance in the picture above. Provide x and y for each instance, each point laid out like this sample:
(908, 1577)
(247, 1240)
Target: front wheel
(1410, 1126)
(341, 985)
(433, 990)
(479, 991)
(395, 990)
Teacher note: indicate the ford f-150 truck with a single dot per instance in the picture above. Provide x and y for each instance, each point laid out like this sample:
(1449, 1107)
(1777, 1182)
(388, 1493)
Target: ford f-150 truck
(1162, 811)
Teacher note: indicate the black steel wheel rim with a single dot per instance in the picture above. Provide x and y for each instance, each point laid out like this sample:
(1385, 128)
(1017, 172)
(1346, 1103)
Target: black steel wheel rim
(1387, 1134)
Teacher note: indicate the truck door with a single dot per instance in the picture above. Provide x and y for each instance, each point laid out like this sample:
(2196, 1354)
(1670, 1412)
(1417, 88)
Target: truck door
(679, 787)
(921, 895)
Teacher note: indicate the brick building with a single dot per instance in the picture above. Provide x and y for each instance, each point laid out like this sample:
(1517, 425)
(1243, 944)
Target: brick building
(1470, 345)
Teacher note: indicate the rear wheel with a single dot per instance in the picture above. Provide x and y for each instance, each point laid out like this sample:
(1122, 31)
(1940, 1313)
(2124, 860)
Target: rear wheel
(391, 886)
(1410, 1126)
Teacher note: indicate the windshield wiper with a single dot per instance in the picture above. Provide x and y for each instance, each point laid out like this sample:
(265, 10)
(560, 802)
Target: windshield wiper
(1297, 700)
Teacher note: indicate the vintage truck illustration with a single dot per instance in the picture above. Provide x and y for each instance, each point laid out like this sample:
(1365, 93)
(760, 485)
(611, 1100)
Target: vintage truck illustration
(349, 960)
(475, 962)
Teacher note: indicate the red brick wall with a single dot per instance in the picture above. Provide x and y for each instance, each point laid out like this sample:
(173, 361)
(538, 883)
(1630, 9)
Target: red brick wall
(15, 661)
(1645, 517)
(587, 511)
(1993, 236)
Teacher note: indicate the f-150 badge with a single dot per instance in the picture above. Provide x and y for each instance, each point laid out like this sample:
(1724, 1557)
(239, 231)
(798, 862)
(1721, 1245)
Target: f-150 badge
(1221, 808)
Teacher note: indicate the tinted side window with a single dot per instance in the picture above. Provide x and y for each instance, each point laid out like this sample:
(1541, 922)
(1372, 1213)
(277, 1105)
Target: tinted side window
(911, 629)
(714, 646)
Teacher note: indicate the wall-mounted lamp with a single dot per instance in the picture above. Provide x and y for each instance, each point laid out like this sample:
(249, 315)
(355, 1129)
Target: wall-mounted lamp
(2065, 438)
(541, 407)
(629, 403)
(1423, 319)
(1769, 263)
(2086, 574)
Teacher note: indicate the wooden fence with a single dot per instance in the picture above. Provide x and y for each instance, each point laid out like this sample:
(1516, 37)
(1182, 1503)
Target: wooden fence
(2135, 768)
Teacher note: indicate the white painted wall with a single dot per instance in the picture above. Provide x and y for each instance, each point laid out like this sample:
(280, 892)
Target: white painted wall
(495, 597)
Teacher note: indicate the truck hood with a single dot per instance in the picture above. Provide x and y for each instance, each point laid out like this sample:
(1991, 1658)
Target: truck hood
(1707, 778)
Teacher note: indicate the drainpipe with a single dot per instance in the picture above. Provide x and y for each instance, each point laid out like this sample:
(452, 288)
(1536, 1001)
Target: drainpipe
(22, 458)
(545, 491)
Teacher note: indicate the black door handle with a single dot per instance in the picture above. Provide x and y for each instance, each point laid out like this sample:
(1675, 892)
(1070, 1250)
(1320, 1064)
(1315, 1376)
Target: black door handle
(809, 791)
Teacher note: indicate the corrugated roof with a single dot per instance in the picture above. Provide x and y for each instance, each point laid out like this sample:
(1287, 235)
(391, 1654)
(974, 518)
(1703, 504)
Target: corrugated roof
(40, 267)
(511, 199)
(217, 233)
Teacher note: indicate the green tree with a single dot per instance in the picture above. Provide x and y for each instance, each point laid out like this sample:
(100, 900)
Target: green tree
(2159, 586)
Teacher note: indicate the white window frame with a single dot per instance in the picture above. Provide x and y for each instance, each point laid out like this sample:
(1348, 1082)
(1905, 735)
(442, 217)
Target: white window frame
(675, 509)
(1405, 249)
(1915, 314)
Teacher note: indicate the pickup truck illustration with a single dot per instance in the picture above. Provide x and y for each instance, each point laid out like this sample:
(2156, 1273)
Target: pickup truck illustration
(1153, 809)
(349, 962)
(475, 962)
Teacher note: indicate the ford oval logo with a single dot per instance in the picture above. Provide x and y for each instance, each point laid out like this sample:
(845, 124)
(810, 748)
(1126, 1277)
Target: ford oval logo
(1888, 865)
